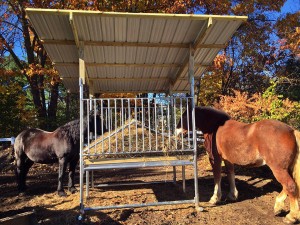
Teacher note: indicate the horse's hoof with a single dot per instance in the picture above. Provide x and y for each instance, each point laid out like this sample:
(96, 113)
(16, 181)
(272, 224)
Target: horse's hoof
(231, 197)
(289, 219)
(22, 194)
(213, 201)
(72, 190)
(62, 193)
(278, 212)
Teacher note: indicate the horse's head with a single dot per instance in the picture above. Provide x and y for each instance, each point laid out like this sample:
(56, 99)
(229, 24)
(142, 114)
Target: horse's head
(185, 123)
(95, 124)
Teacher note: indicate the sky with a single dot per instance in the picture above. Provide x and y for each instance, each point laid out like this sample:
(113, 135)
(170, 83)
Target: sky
(291, 6)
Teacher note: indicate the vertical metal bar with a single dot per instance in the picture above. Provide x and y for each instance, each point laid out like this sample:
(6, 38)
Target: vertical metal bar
(162, 124)
(175, 123)
(168, 123)
(87, 183)
(149, 118)
(191, 80)
(136, 130)
(116, 125)
(182, 147)
(88, 125)
(129, 125)
(102, 124)
(171, 102)
(155, 115)
(109, 124)
(188, 124)
(122, 118)
(81, 139)
(143, 125)
(106, 116)
(95, 125)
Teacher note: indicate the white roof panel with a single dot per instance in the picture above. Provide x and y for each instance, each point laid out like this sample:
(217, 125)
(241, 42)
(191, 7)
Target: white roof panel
(127, 52)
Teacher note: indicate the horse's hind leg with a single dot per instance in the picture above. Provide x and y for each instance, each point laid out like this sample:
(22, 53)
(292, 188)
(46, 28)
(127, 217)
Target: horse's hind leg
(61, 174)
(233, 193)
(216, 165)
(23, 164)
(72, 167)
(289, 187)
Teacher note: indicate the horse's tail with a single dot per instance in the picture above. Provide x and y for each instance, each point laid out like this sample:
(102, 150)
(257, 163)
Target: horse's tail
(296, 166)
(12, 156)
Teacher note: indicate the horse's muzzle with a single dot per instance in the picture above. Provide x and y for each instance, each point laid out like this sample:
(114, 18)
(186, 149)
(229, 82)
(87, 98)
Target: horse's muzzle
(179, 131)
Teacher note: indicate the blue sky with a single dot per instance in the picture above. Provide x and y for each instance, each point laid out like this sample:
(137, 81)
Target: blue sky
(291, 6)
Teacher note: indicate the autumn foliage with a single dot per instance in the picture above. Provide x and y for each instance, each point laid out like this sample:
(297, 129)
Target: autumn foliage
(250, 108)
(250, 61)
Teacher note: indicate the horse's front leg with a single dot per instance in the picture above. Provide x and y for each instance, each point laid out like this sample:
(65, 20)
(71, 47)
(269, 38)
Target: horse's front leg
(72, 168)
(61, 174)
(216, 166)
(279, 203)
(233, 193)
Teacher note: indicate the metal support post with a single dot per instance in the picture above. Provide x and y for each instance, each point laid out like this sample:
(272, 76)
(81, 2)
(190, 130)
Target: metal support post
(87, 183)
(81, 146)
(81, 86)
(192, 92)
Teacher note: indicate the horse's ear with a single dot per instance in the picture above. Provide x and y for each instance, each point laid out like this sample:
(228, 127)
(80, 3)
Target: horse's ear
(93, 112)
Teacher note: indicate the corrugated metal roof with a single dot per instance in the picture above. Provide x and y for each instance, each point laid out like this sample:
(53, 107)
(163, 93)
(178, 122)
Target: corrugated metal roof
(127, 52)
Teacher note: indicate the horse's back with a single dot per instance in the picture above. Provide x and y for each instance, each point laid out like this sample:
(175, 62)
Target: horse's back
(37, 144)
(23, 137)
(266, 141)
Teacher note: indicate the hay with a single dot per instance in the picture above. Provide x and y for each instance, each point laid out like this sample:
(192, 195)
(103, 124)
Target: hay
(134, 138)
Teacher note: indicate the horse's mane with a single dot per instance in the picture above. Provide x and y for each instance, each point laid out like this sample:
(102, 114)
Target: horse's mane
(209, 118)
(216, 112)
(72, 129)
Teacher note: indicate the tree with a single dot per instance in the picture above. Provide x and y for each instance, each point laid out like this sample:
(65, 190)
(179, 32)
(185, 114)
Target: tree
(17, 34)
(245, 63)
(288, 56)
(20, 41)
(242, 65)
(16, 112)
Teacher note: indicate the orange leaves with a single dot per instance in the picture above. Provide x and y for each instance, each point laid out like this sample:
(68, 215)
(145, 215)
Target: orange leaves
(37, 69)
(221, 59)
(289, 31)
(243, 107)
(239, 106)
(34, 69)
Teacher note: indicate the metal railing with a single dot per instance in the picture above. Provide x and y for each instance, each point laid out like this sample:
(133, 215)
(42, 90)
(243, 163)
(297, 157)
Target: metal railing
(135, 126)
(11, 140)
(132, 128)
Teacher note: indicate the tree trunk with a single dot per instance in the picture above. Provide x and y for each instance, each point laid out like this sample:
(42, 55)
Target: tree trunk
(52, 107)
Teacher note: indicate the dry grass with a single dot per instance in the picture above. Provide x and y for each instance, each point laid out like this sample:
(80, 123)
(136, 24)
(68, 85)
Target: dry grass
(134, 138)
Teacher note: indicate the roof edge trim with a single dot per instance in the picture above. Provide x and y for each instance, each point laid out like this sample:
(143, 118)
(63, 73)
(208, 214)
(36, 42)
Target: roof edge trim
(127, 14)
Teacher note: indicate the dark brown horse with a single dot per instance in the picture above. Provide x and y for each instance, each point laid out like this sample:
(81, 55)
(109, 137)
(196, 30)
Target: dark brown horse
(62, 146)
(267, 142)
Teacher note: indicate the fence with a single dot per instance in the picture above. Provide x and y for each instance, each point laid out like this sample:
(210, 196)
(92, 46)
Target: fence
(137, 132)
(11, 140)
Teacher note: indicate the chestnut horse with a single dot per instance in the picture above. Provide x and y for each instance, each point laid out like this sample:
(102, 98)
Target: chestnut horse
(62, 146)
(267, 142)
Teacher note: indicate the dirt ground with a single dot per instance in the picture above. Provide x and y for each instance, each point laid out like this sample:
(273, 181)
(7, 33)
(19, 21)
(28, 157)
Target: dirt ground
(257, 192)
